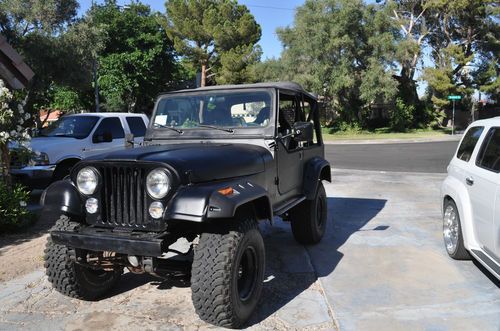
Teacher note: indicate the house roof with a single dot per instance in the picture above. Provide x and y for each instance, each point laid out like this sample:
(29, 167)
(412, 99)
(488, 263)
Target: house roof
(13, 70)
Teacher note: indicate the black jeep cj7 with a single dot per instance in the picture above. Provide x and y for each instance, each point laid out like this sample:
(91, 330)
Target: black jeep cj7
(216, 161)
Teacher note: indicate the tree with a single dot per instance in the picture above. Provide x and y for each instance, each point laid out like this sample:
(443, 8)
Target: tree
(135, 61)
(33, 28)
(217, 36)
(343, 50)
(464, 43)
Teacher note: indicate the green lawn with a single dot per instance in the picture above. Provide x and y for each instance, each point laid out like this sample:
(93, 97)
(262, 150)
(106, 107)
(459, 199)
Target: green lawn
(384, 133)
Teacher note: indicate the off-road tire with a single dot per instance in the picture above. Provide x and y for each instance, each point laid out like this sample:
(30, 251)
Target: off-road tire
(460, 252)
(309, 218)
(69, 278)
(216, 270)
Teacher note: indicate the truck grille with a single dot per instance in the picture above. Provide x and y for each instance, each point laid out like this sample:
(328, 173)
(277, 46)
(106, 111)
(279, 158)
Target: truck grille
(124, 198)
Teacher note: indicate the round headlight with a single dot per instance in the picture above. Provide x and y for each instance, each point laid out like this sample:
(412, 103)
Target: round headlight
(86, 180)
(158, 183)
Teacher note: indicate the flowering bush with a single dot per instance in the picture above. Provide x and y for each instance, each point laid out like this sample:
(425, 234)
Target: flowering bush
(13, 129)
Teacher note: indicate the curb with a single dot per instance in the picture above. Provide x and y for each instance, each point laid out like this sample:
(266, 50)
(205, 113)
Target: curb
(392, 141)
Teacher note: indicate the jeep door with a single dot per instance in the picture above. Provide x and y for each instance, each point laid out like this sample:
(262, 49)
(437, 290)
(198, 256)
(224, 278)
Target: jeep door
(108, 136)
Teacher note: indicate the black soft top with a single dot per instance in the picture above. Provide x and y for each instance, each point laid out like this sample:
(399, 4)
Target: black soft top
(290, 86)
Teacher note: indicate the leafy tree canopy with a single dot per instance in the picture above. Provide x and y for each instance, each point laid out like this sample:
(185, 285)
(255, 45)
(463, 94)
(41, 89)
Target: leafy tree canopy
(217, 36)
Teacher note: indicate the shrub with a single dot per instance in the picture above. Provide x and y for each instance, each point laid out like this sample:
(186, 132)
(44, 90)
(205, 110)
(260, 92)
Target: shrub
(13, 211)
(345, 127)
(401, 118)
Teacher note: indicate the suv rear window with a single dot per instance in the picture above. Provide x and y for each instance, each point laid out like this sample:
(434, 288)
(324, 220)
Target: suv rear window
(137, 126)
(469, 142)
(489, 155)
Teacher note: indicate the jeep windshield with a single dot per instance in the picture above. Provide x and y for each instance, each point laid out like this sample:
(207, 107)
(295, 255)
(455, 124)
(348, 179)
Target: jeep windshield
(213, 110)
(78, 127)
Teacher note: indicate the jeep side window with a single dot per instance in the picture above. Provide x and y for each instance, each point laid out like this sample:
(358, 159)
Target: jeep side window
(469, 142)
(287, 115)
(110, 125)
(307, 116)
(137, 126)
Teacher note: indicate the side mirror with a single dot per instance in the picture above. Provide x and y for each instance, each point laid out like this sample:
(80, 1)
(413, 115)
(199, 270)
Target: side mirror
(105, 137)
(303, 131)
(129, 140)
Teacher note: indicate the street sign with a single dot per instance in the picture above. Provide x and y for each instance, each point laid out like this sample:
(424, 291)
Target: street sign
(454, 97)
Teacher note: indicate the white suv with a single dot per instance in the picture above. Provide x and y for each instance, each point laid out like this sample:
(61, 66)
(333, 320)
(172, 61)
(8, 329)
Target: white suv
(72, 138)
(471, 197)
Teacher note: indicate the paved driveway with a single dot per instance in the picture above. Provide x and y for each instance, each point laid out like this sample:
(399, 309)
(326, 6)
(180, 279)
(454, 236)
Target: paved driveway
(381, 266)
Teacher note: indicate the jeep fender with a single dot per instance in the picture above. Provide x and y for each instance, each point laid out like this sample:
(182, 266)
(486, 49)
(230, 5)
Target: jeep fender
(315, 170)
(62, 197)
(199, 203)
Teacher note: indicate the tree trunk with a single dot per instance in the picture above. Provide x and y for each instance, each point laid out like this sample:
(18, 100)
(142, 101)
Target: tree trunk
(5, 164)
(203, 74)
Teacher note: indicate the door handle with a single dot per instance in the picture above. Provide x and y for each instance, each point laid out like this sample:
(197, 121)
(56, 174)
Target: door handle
(469, 181)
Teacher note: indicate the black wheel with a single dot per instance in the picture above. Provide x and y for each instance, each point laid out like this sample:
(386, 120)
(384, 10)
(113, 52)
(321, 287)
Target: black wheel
(70, 278)
(227, 274)
(309, 218)
(452, 232)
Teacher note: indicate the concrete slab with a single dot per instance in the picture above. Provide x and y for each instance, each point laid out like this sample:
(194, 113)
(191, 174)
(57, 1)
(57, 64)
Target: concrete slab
(383, 265)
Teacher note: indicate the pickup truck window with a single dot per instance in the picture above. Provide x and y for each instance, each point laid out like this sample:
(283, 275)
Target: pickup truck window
(78, 127)
(489, 155)
(469, 142)
(111, 125)
(137, 126)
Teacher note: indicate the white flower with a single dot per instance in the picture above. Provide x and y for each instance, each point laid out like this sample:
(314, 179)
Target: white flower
(13, 133)
(27, 116)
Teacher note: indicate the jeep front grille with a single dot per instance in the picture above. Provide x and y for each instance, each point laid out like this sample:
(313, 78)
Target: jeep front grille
(124, 196)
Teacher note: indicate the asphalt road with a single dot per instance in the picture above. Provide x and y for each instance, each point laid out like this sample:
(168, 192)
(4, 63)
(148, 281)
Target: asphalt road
(429, 157)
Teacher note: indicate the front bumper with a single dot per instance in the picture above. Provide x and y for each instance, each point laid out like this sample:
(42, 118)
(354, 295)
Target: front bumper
(97, 239)
(34, 177)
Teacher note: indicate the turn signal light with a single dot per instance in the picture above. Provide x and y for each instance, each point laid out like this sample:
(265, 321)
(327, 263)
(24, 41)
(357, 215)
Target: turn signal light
(226, 191)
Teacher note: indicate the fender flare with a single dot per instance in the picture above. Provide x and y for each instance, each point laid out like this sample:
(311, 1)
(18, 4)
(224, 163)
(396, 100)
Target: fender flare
(315, 170)
(201, 203)
(62, 197)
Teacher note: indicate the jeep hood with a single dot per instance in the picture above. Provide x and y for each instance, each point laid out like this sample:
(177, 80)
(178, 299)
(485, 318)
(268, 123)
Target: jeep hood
(197, 162)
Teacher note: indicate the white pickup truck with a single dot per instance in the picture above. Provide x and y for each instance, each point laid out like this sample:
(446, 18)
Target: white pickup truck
(72, 138)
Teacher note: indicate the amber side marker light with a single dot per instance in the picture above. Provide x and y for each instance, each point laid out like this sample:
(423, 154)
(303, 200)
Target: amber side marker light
(226, 191)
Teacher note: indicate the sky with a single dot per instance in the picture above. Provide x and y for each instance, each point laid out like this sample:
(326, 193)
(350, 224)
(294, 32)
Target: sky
(270, 14)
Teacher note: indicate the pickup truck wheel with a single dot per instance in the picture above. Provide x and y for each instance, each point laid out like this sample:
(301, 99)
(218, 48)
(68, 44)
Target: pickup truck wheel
(70, 278)
(452, 232)
(227, 274)
(309, 218)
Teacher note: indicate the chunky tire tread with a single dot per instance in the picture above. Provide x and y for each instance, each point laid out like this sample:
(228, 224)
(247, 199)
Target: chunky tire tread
(212, 271)
(67, 277)
(461, 252)
(303, 219)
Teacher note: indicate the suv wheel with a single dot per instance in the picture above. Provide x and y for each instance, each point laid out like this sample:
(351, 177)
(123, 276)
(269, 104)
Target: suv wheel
(309, 218)
(227, 274)
(70, 278)
(452, 232)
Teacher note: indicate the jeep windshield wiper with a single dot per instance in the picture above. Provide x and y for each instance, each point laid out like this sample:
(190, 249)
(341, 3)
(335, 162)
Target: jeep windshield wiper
(215, 127)
(168, 127)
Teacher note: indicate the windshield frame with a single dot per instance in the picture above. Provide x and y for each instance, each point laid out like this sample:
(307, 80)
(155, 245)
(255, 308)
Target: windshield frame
(204, 132)
(97, 120)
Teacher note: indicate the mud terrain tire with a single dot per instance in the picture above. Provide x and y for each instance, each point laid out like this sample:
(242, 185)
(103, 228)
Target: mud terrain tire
(69, 278)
